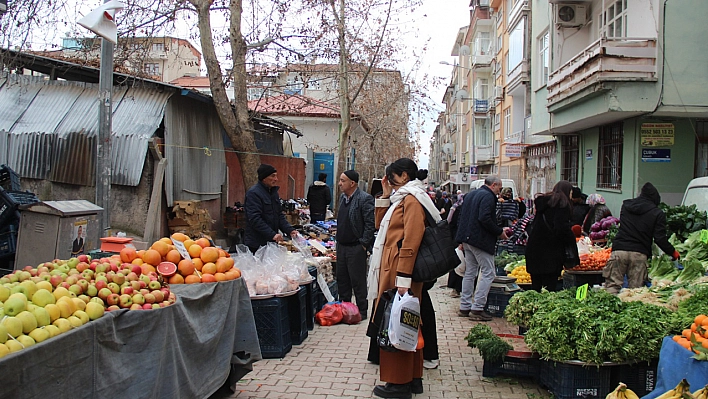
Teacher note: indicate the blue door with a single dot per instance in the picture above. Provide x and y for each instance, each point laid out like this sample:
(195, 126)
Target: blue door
(324, 163)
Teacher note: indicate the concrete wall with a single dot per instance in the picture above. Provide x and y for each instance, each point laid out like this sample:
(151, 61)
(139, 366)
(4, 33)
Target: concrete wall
(539, 24)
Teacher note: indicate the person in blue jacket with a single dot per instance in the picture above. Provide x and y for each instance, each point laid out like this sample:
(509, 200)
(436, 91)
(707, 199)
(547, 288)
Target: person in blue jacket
(264, 214)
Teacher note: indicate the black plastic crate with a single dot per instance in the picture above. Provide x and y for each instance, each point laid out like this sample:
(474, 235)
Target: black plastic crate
(297, 313)
(523, 330)
(10, 200)
(272, 326)
(639, 377)
(313, 292)
(332, 285)
(9, 179)
(591, 278)
(511, 366)
(8, 241)
(98, 254)
(497, 303)
(575, 381)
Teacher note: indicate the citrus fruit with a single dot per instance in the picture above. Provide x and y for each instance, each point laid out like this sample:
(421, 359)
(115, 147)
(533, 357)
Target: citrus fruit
(167, 269)
(137, 261)
(208, 278)
(198, 263)
(220, 277)
(188, 243)
(185, 267)
(203, 242)
(165, 240)
(209, 268)
(176, 279)
(128, 254)
(180, 237)
(194, 251)
(224, 264)
(147, 268)
(161, 247)
(192, 279)
(209, 254)
(152, 257)
(173, 256)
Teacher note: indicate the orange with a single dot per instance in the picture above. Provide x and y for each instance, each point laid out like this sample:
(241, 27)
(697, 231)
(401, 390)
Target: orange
(233, 273)
(704, 323)
(699, 319)
(140, 253)
(208, 278)
(220, 277)
(152, 257)
(203, 242)
(222, 253)
(186, 267)
(209, 254)
(147, 268)
(224, 264)
(137, 261)
(705, 343)
(194, 251)
(198, 263)
(188, 243)
(173, 256)
(693, 327)
(209, 268)
(161, 247)
(180, 237)
(686, 333)
(192, 279)
(128, 254)
(676, 338)
(165, 240)
(176, 279)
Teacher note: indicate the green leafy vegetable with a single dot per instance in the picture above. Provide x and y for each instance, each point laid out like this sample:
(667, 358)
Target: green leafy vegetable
(683, 220)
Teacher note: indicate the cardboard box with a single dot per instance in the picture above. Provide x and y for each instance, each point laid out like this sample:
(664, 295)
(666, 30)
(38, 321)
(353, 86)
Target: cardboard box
(189, 218)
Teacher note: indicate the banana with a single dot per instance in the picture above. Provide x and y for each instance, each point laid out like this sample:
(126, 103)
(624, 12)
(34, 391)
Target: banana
(622, 392)
(701, 393)
(680, 392)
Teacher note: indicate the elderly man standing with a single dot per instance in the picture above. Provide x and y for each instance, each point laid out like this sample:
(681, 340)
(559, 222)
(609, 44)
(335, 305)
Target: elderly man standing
(355, 236)
(263, 211)
(478, 232)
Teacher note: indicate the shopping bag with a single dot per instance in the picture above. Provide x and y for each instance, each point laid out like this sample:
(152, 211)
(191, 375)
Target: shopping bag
(330, 314)
(404, 322)
(382, 337)
(460, 270)
(350, 313)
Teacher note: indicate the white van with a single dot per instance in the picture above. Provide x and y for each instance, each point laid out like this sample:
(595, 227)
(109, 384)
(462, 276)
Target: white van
(697, 193)
(505, 183)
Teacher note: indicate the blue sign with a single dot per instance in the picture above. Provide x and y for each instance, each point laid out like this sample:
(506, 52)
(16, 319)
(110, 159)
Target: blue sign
(656, 155)
(473, 170)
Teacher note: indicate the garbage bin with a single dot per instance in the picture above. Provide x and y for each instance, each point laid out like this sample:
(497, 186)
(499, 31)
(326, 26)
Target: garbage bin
(56, 230)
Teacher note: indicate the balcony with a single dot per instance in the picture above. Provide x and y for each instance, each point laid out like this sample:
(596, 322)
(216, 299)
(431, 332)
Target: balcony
(607, 60)
(517, 76)
(515, 138)
(482, 59)
(481, 106)
(484, 154)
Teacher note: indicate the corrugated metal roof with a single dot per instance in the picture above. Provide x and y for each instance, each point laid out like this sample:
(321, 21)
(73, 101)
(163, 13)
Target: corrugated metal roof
(49, 129)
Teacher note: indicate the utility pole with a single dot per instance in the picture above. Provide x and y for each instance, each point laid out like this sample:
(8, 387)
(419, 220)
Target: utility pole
(103, 147)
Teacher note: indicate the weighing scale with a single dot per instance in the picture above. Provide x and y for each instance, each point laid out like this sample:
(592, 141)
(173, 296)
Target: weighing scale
(504, 284)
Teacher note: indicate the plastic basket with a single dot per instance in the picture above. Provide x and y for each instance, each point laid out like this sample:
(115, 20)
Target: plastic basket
(575, 381)
(10, 200)
(497, 303)
(8, 241)
(576, 279)
(297, 313)
(9, 180)
(312, 302)
(511, 366)
(98, 254)
(272, 326)
(332, 285)
(639, 377)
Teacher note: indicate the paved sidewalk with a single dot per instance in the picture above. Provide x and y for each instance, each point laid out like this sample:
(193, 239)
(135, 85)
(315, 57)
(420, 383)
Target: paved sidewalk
(331, 363)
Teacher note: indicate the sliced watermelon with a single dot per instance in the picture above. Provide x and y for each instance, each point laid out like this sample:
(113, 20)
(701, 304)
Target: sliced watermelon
(167, 269)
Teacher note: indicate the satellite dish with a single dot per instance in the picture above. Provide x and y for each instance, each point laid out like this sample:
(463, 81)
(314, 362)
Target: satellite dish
(450, 126)
(461, 94)
(447, 148)
(464, 50)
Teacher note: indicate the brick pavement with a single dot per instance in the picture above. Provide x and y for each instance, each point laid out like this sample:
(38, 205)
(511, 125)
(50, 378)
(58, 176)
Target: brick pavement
(331, 363)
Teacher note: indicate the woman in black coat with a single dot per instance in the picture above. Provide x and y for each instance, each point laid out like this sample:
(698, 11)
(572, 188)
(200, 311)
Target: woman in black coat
(545, 250)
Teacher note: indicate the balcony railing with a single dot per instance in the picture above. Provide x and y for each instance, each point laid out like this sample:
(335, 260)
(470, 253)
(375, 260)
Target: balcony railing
(515, 138)
(481, 106)
(623, 60)
(484, 153)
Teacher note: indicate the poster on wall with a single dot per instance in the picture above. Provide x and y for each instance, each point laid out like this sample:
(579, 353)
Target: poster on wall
(513, 150)
(657, 134)
(78, 234)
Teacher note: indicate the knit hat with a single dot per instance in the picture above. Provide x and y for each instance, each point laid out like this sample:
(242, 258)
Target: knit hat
(265, 170)
(352, 175)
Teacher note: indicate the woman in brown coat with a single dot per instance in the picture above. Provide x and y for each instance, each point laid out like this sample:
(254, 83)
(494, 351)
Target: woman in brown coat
(400, 218)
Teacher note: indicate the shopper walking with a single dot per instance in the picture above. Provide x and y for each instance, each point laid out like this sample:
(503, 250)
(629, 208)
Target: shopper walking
(319, 196)
(264, 215)
(478, 232)
(551, 234)
(641, 222)
(400, 217)
(355, 235)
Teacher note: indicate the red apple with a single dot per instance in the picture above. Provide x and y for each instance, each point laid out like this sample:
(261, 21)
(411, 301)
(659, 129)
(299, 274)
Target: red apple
(83, 258)
(142, 284)
(101, 284)
(149, 298)
(56, 280)
(147, 306)
(136, 269)
(135, 306)
(65, 285)
(81, 266)
(144, 291)
(125, 301)
(132, 276)
(113, 299)
(127, 290)
(103, 293)
(159, 296)
(112, 308)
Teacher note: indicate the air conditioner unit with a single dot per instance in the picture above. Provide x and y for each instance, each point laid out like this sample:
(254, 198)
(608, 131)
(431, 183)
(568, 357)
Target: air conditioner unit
(571, 15)
(484, 3)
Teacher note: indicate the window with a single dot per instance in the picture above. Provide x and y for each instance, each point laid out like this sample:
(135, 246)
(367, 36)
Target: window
(613, 21)
(507, 122)
(500, 42)
(482, 44)
(293, 85)
(609, 157)
(516, 46)
(481, 90)
(313, 84)
(158, 47)
(152, 69)
(569, 158)
(482, 136)
(543, 59)
(497, 117)
(334, 84)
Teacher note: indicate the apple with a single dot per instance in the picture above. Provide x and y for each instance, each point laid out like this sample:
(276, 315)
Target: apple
(102, 275)
(135, 306)
(103, 293)
(154, 285)
(112, 308)
(173, 298)
(92, 266)
(125, 301)
(56, 280)
(45, 276)
(165, 303)
(97, 300)
(135, 285)
(132, 276)
(83, 258)
(142, 284)
(81, 266)
(65, 285)
(103, 267)
(145, 278)
(138, 298)
(114, 267)
(147, 306)
(24, 275)
(112, 299)
(101, 283)
(92, 290)
(136, 269)
(76, 289)
(83, 283)
(118, 278)
(149, 298)
(115, 288)
(87, 274)
(165, 292)
(63, 268)
(155, 306)
(144, 291)
(159, 296)
(127, 290)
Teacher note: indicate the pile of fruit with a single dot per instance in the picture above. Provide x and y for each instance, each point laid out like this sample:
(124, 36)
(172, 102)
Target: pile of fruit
(596, 260)
(39, 303)
(522, 276)
(695, 339)
(201, 263)
(622, 392)
(682, 391)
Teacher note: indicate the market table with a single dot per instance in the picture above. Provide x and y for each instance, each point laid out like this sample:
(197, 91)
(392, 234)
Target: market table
(187, 350)
(675, 364)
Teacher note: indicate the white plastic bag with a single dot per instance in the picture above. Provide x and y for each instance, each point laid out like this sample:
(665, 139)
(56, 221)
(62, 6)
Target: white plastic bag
(404, 323)
(460, 270)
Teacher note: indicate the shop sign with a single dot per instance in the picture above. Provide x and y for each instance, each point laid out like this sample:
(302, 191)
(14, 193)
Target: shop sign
(656, 155)
(588, 154)
(513, 150)
(657, 134)
(179, 246)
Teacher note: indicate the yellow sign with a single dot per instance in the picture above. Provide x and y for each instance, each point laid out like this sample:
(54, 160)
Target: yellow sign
(657, 134)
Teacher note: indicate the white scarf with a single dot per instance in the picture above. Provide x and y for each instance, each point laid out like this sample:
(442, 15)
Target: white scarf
(415, 188)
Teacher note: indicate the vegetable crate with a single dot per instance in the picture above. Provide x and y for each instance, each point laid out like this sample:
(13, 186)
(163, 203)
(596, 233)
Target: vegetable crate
(313, 291)
(10, 200)
(8, 241)
(272, 326)
(575, 381)
(576, 279)
(497, 302)
(297, 313)
(9, 179)
(639, 377)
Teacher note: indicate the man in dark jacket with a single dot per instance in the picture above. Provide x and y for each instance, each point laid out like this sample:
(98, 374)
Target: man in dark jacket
(263, 211)
(355, 236)
(319, 196)
(580, 208)
(641, 221)
(478, 232)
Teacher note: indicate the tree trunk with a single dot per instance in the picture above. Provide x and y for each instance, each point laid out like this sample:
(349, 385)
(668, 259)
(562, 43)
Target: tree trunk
(345, 111)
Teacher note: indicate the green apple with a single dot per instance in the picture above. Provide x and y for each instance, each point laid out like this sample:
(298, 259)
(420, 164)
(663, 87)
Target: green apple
(30, 286)
(4, 293)
(13, 346)
(53, 330)
(43, 297)
(75, 321)
(29, 322)
(4, 350)
(13, 326)
(94, 310)
(54, 311)
(26, 340)
(60, 292)
(3, 334)
(42, 316)
(14, 305)
(63, 324)
(39, 335)
(83, 316)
